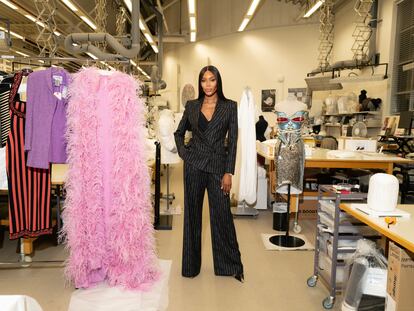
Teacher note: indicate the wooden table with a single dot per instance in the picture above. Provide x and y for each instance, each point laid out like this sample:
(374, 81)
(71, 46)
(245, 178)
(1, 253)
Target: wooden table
(323, 158)
(402, 232)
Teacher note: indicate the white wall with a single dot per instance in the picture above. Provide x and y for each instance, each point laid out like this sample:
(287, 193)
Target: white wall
(255, 58)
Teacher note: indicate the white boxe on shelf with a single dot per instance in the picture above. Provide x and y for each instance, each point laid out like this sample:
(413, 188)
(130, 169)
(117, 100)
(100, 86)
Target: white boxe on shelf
(267, 147)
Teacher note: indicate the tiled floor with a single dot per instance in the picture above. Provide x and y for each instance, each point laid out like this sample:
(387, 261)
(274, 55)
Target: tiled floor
(274, 280)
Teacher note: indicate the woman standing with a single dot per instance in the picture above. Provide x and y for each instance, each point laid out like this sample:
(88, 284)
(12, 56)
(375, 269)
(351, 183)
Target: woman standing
(209, 164)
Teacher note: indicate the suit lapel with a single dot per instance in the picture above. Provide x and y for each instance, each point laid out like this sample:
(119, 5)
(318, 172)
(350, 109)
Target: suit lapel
(217, 115)
(196, 113)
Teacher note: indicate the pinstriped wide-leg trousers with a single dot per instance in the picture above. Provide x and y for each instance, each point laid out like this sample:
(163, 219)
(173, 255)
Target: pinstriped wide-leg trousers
(226, 254)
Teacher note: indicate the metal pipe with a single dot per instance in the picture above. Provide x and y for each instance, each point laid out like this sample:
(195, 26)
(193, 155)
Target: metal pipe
(85, 40)
(373, 24)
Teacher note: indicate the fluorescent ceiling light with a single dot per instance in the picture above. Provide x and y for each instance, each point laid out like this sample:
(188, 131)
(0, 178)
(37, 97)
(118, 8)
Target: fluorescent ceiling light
(57, 33)
(141, 25)
(21, 53)
(133, 63)
(192, 36)
(91, 55)
(149, 38)
(244, 24)
(128, 4)
(88, 21)
(9, 4)
(192, 23)
(253, 7)
(191, 6)
(314, 8)
(34, 20)
(12, 33)
(70, 5)
(155, 48)
(41, 61)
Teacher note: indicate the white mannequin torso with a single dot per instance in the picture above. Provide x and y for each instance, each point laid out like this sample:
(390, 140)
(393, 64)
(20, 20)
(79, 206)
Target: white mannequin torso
(290, 106)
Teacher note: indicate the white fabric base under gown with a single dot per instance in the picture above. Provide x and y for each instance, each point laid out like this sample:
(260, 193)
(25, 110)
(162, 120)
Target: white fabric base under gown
(105, 298)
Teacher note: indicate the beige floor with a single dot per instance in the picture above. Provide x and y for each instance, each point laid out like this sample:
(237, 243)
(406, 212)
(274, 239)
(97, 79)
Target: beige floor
(274, 280)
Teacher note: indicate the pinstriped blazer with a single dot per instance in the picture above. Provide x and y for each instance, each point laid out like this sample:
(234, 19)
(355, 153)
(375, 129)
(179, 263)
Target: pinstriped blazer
(207, 150)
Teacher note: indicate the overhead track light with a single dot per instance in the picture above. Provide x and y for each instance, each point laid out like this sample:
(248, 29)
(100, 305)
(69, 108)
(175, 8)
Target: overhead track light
(12, 33)
(88, 21)
(249, 15)
(21, 53)
(314, 8)
(9, 4)
(70, 5)
(91, 55)
(193, 19)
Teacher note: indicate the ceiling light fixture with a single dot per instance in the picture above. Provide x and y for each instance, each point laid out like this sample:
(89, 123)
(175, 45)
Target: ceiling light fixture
(143, 27)
(21, 53)
(249, 15)
(244, 24)
(193, 19)
(88, 21)
(70, 5)
(12, 33)
(91, 55)
(34, 20)
(193, 36)
(9, 4)
(314, 8)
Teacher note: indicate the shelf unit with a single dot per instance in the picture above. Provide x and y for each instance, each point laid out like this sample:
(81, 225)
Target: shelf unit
(334, 226)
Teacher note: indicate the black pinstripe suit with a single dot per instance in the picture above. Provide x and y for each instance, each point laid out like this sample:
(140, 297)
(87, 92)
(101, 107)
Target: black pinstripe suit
(206, 159)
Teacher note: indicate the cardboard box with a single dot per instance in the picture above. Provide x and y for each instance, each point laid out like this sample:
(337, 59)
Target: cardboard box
(400, 283)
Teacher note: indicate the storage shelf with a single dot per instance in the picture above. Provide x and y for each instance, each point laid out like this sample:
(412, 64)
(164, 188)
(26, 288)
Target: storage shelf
(352, 113)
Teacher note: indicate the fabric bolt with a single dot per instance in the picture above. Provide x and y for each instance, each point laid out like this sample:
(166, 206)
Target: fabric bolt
(247, 144)
(47, 98)
(107, 214)
(290, 152)
(4, 113)
(226, 254)
(28, 188)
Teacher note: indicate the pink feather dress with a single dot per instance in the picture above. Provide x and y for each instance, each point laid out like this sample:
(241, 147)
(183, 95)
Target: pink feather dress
(107, 214)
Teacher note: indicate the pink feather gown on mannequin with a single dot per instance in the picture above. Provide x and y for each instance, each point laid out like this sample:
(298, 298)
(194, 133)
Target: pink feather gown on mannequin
(107, 215)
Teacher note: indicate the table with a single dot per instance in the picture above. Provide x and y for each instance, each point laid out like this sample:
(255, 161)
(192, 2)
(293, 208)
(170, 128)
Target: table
(322, 158)
(402, 232)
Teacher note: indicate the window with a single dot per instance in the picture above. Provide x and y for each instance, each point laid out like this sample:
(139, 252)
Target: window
(403, 82)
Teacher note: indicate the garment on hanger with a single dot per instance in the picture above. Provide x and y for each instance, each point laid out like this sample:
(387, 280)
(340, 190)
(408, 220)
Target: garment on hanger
(108, 213)
(261, 127)
(28, 188)
(247, 146)
(165, 133)
(290, 152)
(47, 96)
(4, 112)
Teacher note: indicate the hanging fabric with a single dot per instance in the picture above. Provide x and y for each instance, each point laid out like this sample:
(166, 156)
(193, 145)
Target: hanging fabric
(107, 215)
(47, 96)
(248, 162)
(29, 188)
(4, 112)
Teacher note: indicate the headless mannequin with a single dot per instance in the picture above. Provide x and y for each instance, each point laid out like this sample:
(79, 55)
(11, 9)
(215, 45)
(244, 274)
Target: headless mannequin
(290, 105)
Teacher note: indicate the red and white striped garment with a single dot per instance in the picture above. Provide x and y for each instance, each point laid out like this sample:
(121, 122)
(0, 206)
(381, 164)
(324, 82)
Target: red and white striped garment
(29, 188)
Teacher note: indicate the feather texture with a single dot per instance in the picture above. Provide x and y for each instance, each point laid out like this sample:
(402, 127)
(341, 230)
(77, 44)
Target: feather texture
(107, 215)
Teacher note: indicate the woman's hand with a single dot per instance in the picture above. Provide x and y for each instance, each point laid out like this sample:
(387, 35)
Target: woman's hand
(226, 183)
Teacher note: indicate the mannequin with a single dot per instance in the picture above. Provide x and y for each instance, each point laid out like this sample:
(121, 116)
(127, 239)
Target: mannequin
(166, 128)
(290, 152)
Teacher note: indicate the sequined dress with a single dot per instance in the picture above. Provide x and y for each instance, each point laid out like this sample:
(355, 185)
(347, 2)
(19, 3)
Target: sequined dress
(290, 152)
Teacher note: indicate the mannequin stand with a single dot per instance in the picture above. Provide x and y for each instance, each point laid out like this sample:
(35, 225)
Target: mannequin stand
(169, 197)
(161, 222)
(242, 209)
(287, 240)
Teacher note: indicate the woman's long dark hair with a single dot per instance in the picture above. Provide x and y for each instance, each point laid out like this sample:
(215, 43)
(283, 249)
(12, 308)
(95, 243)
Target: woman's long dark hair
(216, 73)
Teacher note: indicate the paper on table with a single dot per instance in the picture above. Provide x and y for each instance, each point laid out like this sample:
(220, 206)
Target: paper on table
(364, 209)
